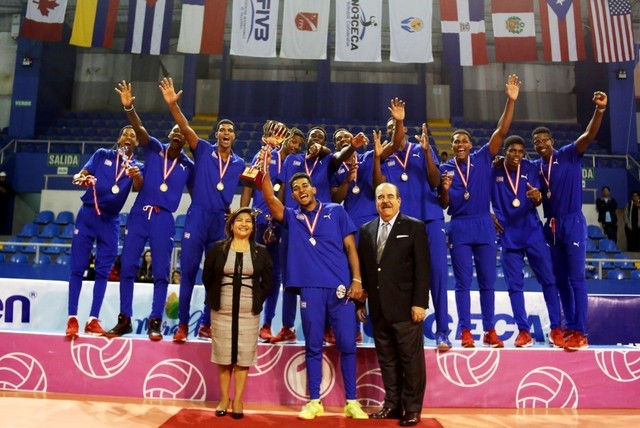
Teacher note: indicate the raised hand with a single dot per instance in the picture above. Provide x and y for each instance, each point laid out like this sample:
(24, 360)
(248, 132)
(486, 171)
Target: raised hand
(600, 99)
(359, 140)
(397, 109)
(424, 138)
(168, 91)
(533, 193)
(512, 87)
(445, 180)
(126, 96)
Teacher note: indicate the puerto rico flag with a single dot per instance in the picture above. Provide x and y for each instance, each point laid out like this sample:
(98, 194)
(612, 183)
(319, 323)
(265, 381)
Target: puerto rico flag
(514, 30)
(463, 33)
(561, 30)
(149, 27)
(202, 26)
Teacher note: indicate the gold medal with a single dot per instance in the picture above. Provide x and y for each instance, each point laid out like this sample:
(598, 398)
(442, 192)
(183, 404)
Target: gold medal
(516, 202)
(164, 187)
(115, 189)
(220, 186)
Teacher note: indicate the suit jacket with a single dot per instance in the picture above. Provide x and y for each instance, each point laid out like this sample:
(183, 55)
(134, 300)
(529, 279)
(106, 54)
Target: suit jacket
(402, 278)
(603, 206)
(213, 273)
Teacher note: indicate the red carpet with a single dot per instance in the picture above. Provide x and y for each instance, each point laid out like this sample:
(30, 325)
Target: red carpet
(207, 418)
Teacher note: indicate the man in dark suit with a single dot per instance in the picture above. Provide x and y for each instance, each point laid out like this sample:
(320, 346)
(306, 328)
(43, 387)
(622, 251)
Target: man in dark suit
(394, 259)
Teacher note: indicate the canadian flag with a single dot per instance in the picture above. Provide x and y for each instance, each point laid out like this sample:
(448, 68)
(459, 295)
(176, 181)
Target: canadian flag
(44, 20)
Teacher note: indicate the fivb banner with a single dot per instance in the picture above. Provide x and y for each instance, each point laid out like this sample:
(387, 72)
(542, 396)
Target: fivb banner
(254, 28)
(305, 26)
(358, 30)
(410, 29)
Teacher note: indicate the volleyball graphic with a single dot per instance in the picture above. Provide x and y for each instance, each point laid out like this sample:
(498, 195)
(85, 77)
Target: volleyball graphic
(468, 368)
(307, 21)
(621, 366)
(369, 389)
(175, 378)
(295, 376)
(99, 357)
(547, 387)
(268, 357)
(22, 372)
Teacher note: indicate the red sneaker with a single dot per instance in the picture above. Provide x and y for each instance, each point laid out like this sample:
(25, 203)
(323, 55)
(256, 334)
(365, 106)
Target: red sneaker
(204, 332)
(491, 339)
(181, 333)
(93, 328)
(576, 342)
(265, 333)
(285, 334)
(524, 339)
(329, 337)
(556, 337)
(72, 328)
(466, 339)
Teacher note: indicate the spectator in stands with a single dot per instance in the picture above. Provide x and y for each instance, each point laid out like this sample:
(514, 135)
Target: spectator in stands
(108, 177)
(607, 217)
(566, 226)
(6, 196)
(114, 275)
(237, 277)
(145, 273)
(175, 277)
(168, 171)
(444, 156)
(632, 222)
(216, 176)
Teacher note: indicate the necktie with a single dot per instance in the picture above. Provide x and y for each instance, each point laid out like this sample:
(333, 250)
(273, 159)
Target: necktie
(382, 240)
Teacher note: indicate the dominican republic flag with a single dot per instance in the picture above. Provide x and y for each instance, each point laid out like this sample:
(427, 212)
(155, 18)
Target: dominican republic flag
(561, 30)
(358, 30)
(611, 30)
(410, 30)
(202, 26)
(94, 23)
(254, 28)
(149, 27)
(463, 33)
(305, 25)
(44, 20)
(514, 30)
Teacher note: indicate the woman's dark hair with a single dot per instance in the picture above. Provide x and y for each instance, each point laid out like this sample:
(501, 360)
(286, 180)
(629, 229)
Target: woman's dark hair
(232, 218)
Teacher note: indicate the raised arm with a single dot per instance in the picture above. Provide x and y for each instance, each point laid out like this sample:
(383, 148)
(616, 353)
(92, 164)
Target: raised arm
(127, 98)
(276, 207)
(512, 89)
(433, 174)
(172, 98)
(378, 149)
(397, 110)
(443, 190)
(600, 100)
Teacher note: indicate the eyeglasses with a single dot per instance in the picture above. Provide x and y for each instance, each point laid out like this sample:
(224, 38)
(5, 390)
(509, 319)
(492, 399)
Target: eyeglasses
(539, 142)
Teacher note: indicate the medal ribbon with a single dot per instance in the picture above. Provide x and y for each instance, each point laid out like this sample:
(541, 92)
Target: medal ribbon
(513, 187)
(547, 179)
(306, 167)
(312, 227)
(223, 170)
(465, 179)
(173, 165)
(125, 164)
(406, 158)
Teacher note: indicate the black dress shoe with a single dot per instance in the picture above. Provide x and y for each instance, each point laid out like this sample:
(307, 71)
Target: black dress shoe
(221, 412)
(410, 419)
(387, 413)
(235, 415)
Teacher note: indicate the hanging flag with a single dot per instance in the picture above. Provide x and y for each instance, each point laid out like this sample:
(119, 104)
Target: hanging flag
(463, 34)
(611, 30)
(44, 20)
(149, 27)
(202, 26)
(94, 23)
(410, 30)
(561, 30)
(305, 25)
(254, 27)
(358, 30)
(514, 30)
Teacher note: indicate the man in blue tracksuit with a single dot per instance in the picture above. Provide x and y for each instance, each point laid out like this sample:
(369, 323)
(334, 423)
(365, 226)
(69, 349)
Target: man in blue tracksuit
(216, 177)
(515, 195)
(168, 170)
(108, 176)
(566, 228)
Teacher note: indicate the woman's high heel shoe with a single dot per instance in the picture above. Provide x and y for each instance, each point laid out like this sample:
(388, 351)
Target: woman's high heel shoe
(237, 415)
(221, 411)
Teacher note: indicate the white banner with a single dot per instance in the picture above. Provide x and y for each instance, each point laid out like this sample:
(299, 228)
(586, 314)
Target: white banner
(358, 30)
(410, 29)
(254, 27)
(305, 26)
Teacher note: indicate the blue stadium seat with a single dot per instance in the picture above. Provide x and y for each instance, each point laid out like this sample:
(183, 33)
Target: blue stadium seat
(180, 219)
(64, 217)
(44, 217)
(54, 250)
(29, 230)
(592, 247)
(608, 246)
(123, 219)
(43, 259)
(615, 274)
(49, 231)
(179, 234)
(635, 275)
(19, 258)
(67, 232)
(31, 249)
(63, 260)
(594, 232)
(10, 248)
(624, 263)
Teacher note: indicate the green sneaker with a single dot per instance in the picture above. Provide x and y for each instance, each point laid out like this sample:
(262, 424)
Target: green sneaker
(354, 410)
(312, 409)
